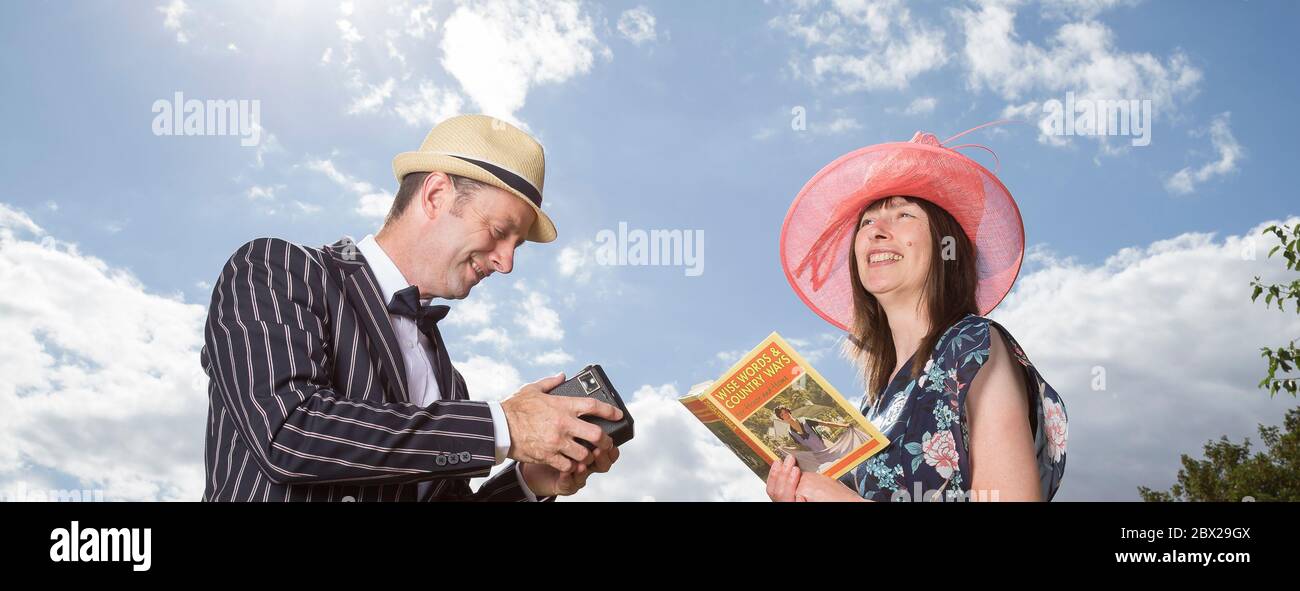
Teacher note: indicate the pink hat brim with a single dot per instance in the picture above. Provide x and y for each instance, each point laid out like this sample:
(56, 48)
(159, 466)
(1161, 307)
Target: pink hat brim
(818, 227)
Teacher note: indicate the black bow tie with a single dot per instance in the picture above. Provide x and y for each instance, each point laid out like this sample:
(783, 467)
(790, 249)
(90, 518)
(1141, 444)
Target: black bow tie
(406, 303)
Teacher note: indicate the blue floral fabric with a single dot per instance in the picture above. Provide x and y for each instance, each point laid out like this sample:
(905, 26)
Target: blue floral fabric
(925, 421)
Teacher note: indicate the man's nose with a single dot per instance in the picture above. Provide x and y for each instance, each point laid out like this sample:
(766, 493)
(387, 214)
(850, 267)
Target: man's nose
(503, 259)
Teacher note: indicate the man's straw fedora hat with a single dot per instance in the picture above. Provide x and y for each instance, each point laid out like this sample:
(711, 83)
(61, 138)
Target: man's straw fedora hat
(490, 151)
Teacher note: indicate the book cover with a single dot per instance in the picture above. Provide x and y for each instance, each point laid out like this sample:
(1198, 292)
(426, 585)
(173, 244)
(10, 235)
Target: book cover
(772, 403)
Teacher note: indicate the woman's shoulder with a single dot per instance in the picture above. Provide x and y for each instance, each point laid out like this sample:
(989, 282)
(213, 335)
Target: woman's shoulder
(967, 324)
(971, 334)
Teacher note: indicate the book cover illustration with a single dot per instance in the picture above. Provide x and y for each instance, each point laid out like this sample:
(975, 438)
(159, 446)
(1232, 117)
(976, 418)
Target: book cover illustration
(772, 403)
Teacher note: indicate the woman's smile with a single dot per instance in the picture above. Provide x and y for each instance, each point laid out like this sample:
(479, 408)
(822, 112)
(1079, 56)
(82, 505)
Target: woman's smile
(879, 257)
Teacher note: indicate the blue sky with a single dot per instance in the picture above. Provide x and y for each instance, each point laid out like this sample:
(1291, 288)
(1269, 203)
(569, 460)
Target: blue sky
(664, 116)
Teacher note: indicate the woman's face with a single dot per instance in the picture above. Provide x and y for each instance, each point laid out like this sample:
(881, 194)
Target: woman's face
(893, 248)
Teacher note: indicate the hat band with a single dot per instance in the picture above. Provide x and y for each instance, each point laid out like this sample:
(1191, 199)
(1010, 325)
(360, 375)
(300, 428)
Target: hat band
(511, 179)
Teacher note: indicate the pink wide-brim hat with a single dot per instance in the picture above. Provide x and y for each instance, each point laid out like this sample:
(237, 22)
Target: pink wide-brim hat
(818, 229)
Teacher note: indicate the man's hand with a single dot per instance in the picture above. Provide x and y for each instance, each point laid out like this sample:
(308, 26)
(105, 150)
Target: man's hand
(543, 427)
(546, 481)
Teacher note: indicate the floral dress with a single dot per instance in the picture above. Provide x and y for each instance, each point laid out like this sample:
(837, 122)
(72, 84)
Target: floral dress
(925, 421)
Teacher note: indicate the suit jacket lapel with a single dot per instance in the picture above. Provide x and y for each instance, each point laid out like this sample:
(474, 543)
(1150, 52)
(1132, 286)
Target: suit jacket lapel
(367, 300)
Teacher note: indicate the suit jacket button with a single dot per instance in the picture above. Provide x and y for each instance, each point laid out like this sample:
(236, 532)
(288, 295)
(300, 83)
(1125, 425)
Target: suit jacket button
(465, 457)
(453, 459)
(440, 460)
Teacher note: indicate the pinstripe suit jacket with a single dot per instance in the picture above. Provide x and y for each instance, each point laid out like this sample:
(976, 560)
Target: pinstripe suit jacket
(307, 396)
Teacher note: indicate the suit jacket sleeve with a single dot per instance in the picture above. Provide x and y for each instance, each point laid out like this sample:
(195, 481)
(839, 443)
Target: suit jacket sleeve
(503, 487)
(267, 349)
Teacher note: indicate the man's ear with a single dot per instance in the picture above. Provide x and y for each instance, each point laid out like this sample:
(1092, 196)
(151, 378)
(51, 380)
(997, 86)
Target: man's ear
(435, 194)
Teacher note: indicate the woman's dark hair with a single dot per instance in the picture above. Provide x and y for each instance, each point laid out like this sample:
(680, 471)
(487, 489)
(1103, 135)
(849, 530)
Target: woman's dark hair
(948, 296)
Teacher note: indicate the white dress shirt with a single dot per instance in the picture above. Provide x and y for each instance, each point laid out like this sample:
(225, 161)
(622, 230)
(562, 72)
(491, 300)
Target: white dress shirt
(417, 353)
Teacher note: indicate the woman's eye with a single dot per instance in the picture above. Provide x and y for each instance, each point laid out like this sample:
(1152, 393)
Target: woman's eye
(866, 222)
(906, 214)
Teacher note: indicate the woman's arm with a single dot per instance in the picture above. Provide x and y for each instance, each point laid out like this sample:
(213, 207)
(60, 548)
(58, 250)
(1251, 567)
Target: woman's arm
(1002, 459)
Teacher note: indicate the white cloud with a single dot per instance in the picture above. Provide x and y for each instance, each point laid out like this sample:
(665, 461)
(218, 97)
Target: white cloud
(863, 44)
(269, 144)
(489, 379)
(266, 200)
(499, 49)
(371, 202)
(476, 311)
(350, 36)
(1080, 8)
(12, 220)
(1080, 57)
(554, 357)
(729, 358)
(429, 105)
(496, 51)
(373, 99)
(348, 32)
(112, 399)
(1173, 328)
(375, 205)
(306, 208)
(1229, 154)
(576, 261)
(838, 125)
(814, 349)
(173, 17)
(394, 52)
(262, 193)
(419, 21)
(921, 106)
(491, 336)
(637, 25)
(672, 458)
(538, 319)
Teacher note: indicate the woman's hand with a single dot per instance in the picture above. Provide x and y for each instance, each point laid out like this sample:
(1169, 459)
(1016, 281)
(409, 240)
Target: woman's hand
(816, 487)
(783, 480)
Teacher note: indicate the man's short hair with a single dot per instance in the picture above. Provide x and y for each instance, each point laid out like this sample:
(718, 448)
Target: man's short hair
(465, 190)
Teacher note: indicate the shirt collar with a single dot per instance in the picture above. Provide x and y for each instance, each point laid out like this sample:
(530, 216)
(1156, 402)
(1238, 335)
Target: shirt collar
(387, 274)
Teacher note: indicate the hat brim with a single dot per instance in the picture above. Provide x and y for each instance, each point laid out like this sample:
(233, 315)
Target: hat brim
(976, 199)
(542, 230)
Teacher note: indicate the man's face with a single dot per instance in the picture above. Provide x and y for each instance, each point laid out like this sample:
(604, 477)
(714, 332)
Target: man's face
(470, 242)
